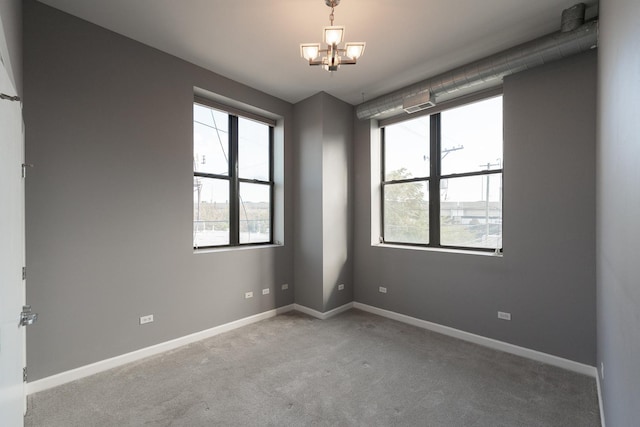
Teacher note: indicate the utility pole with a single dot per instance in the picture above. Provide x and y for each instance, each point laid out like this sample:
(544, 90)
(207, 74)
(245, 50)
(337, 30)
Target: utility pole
(486, 203)
(197, 185)
(446, 151)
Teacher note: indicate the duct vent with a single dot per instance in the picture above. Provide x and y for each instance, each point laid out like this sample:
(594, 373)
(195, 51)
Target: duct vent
(418, 102)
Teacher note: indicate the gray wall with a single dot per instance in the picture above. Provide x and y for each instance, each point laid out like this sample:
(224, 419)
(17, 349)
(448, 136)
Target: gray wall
(323, 210)
(11, 15)
(308, 267)
(618, 235)
(546, 278)
(336, 202)
(109, 201)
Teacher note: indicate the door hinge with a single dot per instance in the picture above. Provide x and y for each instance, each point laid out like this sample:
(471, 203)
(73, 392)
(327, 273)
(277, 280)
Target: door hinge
(24, 273)
(24, 169)
(24, 374)
(9, 97)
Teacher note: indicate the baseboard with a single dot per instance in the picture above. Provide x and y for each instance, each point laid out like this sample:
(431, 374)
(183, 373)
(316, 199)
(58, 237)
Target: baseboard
(103, 365)
(94, 368)
(600, 401)
(322, 316)
(484, 341)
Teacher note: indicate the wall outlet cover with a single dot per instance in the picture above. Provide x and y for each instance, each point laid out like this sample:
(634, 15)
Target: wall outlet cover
(504, 315)
(146, 319)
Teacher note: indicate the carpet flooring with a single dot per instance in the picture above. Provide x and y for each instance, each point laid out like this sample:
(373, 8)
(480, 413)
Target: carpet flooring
(355, 369)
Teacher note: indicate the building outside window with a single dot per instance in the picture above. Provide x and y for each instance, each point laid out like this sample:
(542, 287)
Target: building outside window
(442, 178)
(232, 178)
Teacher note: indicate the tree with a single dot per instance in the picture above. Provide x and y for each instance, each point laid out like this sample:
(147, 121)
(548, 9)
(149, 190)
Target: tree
(406, 209)
(406, 214)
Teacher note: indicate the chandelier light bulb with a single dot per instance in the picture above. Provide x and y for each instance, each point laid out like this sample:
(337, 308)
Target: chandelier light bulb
(354, 50)
(333, 35)
(310, 51)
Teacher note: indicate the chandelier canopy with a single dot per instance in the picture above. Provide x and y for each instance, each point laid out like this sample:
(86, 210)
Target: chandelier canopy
(333, 56)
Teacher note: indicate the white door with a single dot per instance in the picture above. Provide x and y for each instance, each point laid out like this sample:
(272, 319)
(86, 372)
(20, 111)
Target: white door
(12, 287)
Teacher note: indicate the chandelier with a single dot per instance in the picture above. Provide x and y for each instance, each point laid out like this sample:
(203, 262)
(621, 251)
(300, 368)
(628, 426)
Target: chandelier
(333, 56)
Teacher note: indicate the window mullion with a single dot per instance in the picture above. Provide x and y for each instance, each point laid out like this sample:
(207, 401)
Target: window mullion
(383, 183)
(234, 189)
(271, 183)
(434, 181)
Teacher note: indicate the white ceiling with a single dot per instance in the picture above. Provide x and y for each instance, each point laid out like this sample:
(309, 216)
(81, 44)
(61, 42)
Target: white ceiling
(256, 42)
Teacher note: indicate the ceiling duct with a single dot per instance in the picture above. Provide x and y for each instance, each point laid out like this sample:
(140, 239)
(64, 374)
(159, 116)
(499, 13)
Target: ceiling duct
(492, 69)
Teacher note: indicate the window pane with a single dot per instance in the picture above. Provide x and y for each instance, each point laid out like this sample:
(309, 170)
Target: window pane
(253, 150)
(406, 149)
(471, 211)
(255, 213)
(406, 212)
(472, 137)
(210, 140)
(210, 212)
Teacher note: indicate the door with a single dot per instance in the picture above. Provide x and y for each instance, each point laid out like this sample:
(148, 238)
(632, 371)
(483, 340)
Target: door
(12, 287)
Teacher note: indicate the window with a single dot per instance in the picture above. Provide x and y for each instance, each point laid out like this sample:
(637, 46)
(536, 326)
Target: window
(442, 178)
(232, 178)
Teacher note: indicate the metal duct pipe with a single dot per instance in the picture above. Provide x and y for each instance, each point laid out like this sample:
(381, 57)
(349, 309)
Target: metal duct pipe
(528, 55)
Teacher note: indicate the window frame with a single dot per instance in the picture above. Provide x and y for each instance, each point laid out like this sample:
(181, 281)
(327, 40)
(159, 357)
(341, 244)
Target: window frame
(233, 177)
(435, 176)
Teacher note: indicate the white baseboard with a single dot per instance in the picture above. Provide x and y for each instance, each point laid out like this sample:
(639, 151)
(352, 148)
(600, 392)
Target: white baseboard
(600, 402)
(103, 365)
(484, 341)
(94, 368)
(322, 316)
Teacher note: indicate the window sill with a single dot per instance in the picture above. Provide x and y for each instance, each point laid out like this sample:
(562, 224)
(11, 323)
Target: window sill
(439, 250)
(237, 248)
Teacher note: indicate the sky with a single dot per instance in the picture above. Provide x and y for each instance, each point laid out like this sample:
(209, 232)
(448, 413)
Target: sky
(210, 154)
(471, 140)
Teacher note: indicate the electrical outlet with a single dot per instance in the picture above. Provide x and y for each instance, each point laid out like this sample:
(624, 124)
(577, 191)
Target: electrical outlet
(504, 316)
(265, 291)
(341, 287)
(382, 290)
(285, 287)
(146, 319)
(248, 295)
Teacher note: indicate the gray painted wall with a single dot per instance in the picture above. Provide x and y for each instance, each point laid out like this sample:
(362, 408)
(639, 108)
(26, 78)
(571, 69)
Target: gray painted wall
(323, 213)
(11, 15)
(336, 201)
(109, 201)
(618, 207)
(546, 278)
(308, 267)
